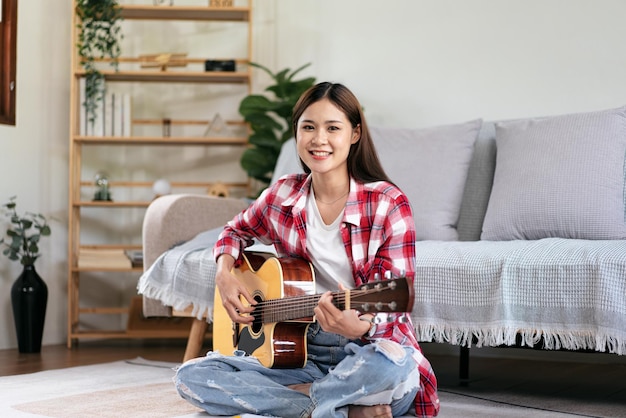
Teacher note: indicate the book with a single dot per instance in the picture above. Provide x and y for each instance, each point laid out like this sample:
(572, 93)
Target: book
(103, 258)
(117, 111)
(108, 104)
(135, 257)
(95, 127)
(127, 121)
(82, 119)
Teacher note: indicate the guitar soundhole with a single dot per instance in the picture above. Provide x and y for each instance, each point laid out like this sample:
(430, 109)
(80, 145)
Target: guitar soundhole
(257, 324)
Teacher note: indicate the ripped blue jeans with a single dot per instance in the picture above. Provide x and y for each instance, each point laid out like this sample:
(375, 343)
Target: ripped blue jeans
(342, 373)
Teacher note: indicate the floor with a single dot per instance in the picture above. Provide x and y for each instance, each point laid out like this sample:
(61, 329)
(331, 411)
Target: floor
(540, 379)
(581, 384)
(89, 352)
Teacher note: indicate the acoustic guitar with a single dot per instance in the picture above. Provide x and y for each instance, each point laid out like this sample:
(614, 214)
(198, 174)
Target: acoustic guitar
(284, 289)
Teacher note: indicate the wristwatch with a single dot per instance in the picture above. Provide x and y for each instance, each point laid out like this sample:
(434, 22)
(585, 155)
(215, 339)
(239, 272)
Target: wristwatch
(373, 326)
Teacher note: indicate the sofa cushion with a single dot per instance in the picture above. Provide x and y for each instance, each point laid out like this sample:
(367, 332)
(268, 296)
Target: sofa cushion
(288, 161)
(430, 165)
(560, 176)
(478, 184)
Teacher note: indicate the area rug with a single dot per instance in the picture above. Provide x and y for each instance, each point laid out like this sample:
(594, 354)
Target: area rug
(140, 388)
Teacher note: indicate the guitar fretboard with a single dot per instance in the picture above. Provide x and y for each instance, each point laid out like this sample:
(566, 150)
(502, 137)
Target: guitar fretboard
(296, 307)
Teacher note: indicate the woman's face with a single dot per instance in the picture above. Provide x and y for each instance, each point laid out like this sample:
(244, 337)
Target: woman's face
(324, 136)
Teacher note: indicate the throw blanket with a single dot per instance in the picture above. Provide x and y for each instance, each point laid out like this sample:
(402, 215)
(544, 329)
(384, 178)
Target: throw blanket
(570, 293)
(184, 276)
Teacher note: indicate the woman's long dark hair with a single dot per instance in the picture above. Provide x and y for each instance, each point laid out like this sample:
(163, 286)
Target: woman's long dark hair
(363, 162)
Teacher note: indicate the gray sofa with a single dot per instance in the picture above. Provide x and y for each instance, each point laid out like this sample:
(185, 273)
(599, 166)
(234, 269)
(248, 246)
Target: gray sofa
(520, 224)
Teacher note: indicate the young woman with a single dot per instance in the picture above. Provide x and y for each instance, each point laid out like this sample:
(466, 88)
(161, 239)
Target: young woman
(348, 220)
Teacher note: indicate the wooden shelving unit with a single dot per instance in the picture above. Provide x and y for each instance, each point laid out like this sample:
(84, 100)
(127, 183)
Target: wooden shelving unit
(138, 327)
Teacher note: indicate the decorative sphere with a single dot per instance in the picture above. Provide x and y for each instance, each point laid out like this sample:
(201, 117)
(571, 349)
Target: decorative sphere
(161, 187)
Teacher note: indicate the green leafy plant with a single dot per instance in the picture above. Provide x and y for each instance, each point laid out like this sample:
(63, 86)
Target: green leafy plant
(23, 234)
(270, 121)
(99, 36)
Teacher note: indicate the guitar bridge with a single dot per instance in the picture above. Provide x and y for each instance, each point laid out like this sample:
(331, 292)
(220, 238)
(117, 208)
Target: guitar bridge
(235, 334)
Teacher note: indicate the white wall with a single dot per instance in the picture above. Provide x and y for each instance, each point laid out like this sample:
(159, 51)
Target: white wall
(33, 154)
(420, 62)
(412, 63)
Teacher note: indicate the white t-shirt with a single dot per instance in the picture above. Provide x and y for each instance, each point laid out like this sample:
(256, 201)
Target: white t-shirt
(326, 250)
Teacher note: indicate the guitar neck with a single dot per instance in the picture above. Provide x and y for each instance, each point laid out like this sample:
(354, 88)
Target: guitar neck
(387, 296)
(280, 310)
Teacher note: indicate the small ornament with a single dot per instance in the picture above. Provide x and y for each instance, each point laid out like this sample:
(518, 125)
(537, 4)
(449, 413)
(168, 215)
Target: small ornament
(218, 190)
(163, 61)
(161, 187)
(102, 182)
(216, 128)
(167, 127)
(221, 3)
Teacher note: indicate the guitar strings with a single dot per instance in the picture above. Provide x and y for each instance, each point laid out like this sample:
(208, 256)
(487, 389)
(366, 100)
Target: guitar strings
(297, 300)
(273, 310)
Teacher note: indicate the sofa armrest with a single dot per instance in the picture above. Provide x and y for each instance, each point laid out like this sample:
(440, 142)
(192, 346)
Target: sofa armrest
(173, 219)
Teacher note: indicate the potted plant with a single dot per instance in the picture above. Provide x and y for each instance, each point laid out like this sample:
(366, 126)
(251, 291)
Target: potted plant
(99, 36)
(269, 119)
(29, 293)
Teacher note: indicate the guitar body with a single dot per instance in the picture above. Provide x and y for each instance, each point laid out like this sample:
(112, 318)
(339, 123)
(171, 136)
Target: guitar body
(276, 344)
(284, 291)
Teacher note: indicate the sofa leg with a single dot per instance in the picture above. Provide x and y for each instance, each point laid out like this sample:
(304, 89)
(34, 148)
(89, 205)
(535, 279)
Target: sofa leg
(196, 339)
(464, 366)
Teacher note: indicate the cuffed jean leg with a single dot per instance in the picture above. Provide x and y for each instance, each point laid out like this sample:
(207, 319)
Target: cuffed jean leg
(231, 385)
(383, 372)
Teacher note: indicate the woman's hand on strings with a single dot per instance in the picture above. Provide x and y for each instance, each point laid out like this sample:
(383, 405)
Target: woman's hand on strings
(332, 319)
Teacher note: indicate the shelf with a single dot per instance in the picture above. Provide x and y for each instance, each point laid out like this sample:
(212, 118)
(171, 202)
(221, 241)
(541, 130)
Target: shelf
(159, 140)
(108, 269)
(169, 76)
(224, 14)
(138, 326)
(107, 311)
(113, 204)
(184, 122)
(111, 334)
(109, 261)
(173, 184)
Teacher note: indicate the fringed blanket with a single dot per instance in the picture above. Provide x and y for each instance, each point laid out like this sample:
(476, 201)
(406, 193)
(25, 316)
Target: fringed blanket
(185, 275)
(569, 293)
(565, 293)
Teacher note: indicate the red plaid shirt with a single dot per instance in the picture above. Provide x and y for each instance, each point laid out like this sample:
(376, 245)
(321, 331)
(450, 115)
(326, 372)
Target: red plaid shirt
(378, 234)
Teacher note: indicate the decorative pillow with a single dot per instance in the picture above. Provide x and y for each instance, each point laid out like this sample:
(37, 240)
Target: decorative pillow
(559, 176)
(430, 166)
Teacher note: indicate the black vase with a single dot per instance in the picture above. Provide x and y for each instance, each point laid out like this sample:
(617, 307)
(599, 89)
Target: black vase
(29, 297)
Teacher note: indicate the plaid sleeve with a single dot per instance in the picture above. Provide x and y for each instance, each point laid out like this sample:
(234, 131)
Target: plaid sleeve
(268, 219)
(397, 252)
(240, 232)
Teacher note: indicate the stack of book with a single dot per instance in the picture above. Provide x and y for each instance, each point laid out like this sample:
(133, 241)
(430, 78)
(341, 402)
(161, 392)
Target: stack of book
(103, 258)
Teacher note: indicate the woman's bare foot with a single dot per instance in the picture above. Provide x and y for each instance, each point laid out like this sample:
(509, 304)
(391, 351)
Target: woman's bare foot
(355, 411)
(375, 411)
